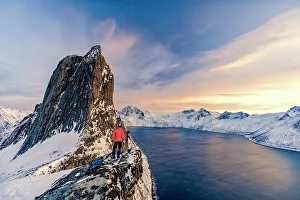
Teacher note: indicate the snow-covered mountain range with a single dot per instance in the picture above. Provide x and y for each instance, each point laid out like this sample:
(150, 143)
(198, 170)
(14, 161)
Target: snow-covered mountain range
(9, 118)
(68, 130)
(280, 130)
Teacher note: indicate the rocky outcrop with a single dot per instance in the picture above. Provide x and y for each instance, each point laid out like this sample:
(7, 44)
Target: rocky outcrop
(292, 112)
(79, 98)
(79, 93)
(230, 115)
(125, 178)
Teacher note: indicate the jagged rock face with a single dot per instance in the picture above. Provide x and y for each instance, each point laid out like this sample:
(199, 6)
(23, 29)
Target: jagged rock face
(188, 111)
(110, 180)
(297, 125)
(292, 112)
(229, 115)
(195, 115)
(202, 113)
(79, 98)
(21, 130)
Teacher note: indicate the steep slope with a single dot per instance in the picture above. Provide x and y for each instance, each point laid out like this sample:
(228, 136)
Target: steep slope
(281, 130)
(78, 90)
(8, 119)
(71, 127)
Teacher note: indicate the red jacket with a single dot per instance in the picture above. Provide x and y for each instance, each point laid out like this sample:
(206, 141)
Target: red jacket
(118, 135)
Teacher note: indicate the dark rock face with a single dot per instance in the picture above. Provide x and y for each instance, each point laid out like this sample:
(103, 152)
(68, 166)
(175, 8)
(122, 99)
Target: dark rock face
(202, 113)
(297, 125)
(291, 113)
(284, 117)
(5, 126)
(229, 115)
(79, 98)
(188, 111)
(22, 129)
(110, 180)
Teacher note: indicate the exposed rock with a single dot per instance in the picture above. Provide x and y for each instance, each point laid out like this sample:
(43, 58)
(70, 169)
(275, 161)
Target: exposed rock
(72, 93)
(79, 98)
(294, 111)
(230, 115)
(113, 179)
(202, 113)
(297, 125)
(188, 111)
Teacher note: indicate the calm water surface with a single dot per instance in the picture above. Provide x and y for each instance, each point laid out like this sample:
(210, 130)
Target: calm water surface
(192, 164)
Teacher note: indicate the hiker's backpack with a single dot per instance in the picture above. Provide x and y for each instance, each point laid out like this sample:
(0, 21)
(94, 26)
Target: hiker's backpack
(97, 161)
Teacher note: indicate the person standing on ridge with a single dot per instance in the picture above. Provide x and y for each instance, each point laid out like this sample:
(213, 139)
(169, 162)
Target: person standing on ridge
(117, 137)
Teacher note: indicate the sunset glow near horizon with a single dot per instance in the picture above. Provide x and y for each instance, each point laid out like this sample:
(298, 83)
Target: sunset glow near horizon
(166, 57)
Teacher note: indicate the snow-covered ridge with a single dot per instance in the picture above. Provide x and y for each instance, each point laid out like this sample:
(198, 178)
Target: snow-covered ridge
(281, 130)
(230, 115)
(8, 119)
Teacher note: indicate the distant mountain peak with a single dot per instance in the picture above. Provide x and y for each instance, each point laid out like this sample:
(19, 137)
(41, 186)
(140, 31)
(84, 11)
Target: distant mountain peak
(132, 110)
(188, 111)
(202, 113)
(233, 115)
(293, 111)
(8, 119)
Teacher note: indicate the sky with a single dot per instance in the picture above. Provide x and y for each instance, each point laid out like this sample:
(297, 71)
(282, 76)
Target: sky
(166, 56)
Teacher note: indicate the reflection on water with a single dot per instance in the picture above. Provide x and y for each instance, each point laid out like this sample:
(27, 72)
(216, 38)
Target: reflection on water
(190, 164)
(246, 164)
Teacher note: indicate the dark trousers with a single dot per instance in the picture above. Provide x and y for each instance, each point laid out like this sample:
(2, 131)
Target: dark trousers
(119, 144)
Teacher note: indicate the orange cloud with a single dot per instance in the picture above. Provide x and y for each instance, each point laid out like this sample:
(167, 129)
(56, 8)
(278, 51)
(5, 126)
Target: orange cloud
(259, 71)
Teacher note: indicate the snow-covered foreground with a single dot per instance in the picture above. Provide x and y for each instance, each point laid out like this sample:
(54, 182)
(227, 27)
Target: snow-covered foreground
(28, 187)
(280, 130)
(17, 179)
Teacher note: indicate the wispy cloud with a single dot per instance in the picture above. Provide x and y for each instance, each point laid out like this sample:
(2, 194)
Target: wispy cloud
(33, 42)
(247, 73)
(264, 63)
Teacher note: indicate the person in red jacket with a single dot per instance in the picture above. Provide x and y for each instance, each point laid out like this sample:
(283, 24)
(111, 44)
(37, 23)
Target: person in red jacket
(118, 137)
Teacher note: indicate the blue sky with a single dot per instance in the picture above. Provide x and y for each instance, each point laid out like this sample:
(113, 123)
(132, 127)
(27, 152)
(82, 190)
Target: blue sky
(151, 45)
(183, 26)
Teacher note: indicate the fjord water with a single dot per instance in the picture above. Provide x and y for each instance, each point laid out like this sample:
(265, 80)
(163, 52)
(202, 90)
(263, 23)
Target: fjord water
(193, 164)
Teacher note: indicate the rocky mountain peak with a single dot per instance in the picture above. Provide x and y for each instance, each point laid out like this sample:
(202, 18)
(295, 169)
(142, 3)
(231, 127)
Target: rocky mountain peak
(293, 111)
(132, 110)
(78, 98)
(188, 111)
(78, 112)
(232, 115)
(203, 112)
